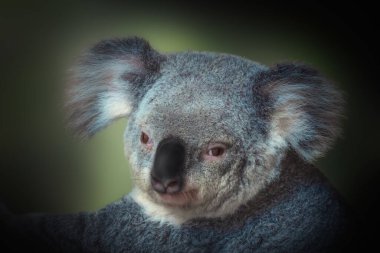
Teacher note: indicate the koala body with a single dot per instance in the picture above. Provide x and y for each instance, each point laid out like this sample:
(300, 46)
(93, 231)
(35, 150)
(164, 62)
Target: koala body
(221, 151)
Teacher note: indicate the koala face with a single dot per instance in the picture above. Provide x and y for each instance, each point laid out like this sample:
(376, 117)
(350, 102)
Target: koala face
(198, 111)
(206, 132)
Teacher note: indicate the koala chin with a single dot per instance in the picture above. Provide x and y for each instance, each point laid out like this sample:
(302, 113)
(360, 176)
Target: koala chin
(221, 150)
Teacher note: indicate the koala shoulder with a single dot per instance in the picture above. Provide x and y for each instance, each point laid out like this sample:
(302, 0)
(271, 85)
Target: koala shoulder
(300, 212)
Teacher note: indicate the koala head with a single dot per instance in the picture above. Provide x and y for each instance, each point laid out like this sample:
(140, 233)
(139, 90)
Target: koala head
(206, 131)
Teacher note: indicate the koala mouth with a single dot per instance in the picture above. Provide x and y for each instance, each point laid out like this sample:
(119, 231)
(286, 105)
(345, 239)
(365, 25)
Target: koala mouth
(184, 198)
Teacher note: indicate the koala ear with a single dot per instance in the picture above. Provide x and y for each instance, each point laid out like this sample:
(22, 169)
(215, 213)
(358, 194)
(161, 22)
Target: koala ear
(108, 81)
(304, 108)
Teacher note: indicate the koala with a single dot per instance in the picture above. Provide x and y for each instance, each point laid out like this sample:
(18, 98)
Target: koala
(221, 150)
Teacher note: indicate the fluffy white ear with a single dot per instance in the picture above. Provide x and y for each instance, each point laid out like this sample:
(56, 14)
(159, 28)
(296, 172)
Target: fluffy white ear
(304, 108)
(108, 81)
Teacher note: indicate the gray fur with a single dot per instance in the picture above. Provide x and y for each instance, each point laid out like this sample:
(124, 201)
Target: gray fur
(123, 68)
(263, 196)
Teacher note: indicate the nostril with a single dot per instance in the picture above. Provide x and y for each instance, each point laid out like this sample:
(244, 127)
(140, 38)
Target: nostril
(166, 186)
(157, 185)
(172, 186)
(154, 179)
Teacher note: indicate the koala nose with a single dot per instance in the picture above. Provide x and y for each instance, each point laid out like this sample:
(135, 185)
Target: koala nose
(168, 166)
(166, 186)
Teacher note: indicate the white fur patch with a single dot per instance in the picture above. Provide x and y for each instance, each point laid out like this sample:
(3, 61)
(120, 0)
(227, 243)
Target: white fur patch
(155, 212)
(276, 140)
(115, 105)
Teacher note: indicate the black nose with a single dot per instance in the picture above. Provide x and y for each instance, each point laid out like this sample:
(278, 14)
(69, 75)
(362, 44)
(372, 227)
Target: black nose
(168, 166)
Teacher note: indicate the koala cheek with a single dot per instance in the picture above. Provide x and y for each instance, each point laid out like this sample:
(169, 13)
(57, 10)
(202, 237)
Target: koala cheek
(141, 178)
(204, 181)
(132, 158)
(127, 153)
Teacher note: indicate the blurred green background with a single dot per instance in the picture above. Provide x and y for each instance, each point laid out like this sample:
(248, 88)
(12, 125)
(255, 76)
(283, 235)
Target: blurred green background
(44, 169)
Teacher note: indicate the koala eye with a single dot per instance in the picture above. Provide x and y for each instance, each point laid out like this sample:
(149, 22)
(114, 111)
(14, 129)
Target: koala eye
(214, 152)
(218, 151)
(144, 139)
